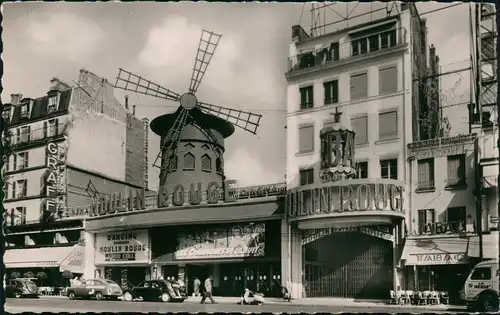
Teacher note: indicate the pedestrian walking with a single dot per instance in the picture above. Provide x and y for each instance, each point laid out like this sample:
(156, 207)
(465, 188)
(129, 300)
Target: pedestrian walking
(208, 291)
(196, 286)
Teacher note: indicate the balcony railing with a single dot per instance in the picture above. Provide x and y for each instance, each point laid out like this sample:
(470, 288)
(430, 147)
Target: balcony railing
(356, 47)
(425, 185)
(34, 135)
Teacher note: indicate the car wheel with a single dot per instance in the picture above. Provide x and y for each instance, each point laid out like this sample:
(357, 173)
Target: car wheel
(98, 295)
(128, 297)
(71, 295)
(489, 302)
(165, 297)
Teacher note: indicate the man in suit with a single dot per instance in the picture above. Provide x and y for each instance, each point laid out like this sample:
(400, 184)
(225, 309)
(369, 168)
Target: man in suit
(208, 291)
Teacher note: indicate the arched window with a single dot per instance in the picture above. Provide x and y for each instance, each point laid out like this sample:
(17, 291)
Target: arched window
(189, 161)
(206, 163)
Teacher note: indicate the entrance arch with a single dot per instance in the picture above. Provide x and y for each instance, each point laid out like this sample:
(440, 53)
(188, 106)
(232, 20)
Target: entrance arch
(348, 265)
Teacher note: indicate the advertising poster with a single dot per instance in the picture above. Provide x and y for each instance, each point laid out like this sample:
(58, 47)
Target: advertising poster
(236, 241)
(122, 247)
(75, 262)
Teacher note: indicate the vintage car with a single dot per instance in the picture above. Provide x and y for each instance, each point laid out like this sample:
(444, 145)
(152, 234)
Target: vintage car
(95, 288)
(21, 287)
(155, 290)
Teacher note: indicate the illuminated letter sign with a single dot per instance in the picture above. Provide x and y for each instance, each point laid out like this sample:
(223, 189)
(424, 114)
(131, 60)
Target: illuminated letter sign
(51, 178)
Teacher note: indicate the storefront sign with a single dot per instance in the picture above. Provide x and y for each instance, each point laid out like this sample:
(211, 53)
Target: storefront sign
(313, 235)
(259, 191)
(122, 247)
(52, 178)
(233, 242)
(45, 264)
(337, 148)
(349, 195)
(444, 227)
(75, 262)
(435, 259)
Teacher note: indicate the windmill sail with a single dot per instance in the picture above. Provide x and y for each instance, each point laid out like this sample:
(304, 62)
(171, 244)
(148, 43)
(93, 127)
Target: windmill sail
(245, 120)
(129, 81)
(170, 142)
(206, 49)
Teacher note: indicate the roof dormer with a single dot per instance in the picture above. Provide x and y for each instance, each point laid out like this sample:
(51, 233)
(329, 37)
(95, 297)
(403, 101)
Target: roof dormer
(26, 105)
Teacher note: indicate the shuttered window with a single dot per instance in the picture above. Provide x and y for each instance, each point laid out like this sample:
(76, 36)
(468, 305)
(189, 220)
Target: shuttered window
(456, 170)
(306, 176)
(388, 80)
(360, 127)
(388, 125)
(425, 216)
(425, 174)
(306, 139)
(359, 86)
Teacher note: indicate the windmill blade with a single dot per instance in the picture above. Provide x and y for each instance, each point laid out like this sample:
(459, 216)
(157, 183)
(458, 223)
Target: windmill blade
(169, 147)
(242, 119)
(128, 81)
(206, 49)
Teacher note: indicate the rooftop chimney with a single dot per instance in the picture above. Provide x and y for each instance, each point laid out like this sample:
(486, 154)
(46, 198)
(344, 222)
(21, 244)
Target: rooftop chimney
(133, 110)
(298, 33)
(126, 102)
(15, 99)
(57, 85)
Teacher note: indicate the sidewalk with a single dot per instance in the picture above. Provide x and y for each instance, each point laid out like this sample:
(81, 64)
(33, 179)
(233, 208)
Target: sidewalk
(315, 302)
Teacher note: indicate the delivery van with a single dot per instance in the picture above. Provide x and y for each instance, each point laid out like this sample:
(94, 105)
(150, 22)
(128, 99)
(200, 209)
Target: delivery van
(481, 289)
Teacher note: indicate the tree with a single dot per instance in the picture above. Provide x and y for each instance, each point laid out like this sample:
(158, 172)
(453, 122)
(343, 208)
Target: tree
(42, 276)
(29, 274)
(67, 275)
(15, 274)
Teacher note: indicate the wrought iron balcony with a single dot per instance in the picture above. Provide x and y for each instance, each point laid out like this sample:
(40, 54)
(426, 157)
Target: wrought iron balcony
(357, 47)
(35, 135)
(428, 185)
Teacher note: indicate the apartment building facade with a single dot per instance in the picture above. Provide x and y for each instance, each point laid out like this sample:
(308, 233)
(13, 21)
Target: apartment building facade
(365, 73)
(53, 174)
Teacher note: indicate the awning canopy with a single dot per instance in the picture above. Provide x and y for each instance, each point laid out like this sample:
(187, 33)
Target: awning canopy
(42, 257)
(490, 246)
(218, 213)
(435, 251)
(75, 262)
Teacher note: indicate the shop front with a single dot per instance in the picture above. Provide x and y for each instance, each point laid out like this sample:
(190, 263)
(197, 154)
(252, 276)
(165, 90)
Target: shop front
(237, 256)
(437, 263)
(344, 236)
(123, 256)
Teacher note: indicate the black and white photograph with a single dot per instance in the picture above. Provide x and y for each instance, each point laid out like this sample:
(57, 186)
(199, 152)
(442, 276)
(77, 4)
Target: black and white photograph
(250, 157)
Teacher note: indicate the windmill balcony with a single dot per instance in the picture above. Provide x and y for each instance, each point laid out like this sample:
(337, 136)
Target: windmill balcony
(338, 54)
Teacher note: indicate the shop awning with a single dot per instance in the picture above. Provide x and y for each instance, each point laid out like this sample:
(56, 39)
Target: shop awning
(435, 251)
(75, 261)
(490, 246)
(219, 213)
(44, 257)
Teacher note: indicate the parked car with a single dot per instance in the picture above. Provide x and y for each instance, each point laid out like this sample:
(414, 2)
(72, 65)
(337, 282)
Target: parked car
(155, 290)
(95, 288)
(21, 287)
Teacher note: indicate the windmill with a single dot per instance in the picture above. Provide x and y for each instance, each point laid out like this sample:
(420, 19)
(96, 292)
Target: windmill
(190, 110)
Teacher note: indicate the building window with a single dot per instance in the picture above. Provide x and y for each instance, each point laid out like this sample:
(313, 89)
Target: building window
(360, 127)
(7, 163)
(206, 163)
(425, 174)
(388, 125)
(19, 216)
(362, 169)
(21, 188)
(6, 114)
(189, 162)
(331, 92)
(359, 86)
(24, 134)
(306, 97)
(481, 273)
(374, 42)
(456, 170)
(306, 139)
(22, 160)
(306, 176)
(388, 80)
(456, 215)
(51, 127)
(389, 169)
(425, 217)
(52, 104)
(24, 110)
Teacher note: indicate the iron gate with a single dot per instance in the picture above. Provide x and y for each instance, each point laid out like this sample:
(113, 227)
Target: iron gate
(348, 265)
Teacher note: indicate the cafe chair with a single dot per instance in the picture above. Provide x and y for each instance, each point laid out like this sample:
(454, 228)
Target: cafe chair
(405, 298)
(394, 298)
(422, 299)
(434, 298)
(445, 298)
(411, 296)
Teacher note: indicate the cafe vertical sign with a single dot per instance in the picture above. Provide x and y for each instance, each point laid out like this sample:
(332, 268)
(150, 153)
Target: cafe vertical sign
(52, 178)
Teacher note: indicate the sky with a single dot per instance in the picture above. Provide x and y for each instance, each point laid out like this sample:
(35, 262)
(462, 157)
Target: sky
(159, 40)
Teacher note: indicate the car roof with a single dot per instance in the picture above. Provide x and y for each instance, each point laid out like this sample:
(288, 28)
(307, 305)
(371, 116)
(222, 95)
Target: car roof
(493, 262)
